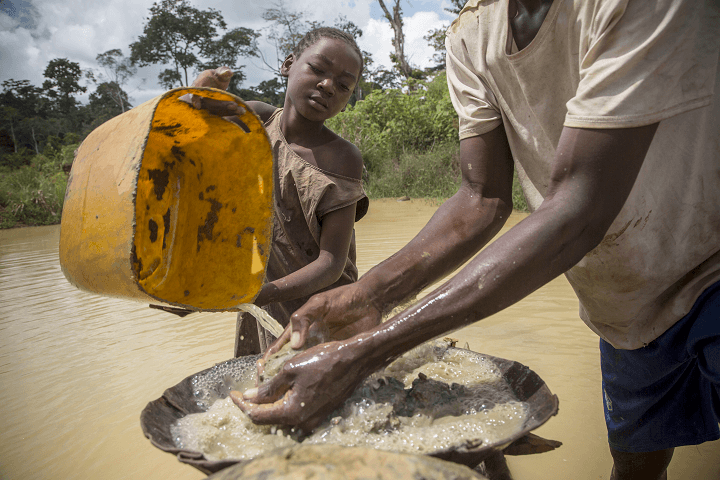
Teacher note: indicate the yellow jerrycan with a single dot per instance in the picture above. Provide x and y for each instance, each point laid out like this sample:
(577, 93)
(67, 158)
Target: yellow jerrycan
(166, 203)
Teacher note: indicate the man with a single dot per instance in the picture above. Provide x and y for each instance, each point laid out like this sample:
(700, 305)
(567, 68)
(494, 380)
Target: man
(607, 109)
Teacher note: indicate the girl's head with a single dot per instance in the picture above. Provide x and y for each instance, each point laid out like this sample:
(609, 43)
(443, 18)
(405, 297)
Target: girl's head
(322, 73)
(313, 36)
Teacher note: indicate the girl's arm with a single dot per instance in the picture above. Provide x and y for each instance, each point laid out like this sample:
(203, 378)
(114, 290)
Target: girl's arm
(220, 78)
(335, 234)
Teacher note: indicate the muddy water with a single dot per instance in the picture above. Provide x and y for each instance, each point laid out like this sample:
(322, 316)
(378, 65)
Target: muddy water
(77, 369)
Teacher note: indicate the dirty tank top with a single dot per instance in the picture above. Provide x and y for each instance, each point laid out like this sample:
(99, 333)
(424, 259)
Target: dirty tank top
(304, 194)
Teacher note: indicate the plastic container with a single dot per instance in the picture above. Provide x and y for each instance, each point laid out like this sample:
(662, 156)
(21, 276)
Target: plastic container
(170, 204)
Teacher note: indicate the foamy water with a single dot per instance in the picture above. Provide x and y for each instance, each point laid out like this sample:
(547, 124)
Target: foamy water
(413, 406)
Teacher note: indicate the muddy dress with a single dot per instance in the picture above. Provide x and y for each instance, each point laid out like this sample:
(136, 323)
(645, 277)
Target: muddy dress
(304, 194)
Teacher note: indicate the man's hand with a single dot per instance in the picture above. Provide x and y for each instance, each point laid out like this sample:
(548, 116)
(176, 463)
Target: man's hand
(308, 388)
(334, 315)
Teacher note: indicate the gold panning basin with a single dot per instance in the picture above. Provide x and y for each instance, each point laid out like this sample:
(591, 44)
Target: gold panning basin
(182, 399)
(170, 204)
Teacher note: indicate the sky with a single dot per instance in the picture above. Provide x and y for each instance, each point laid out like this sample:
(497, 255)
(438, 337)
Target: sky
(33, 32)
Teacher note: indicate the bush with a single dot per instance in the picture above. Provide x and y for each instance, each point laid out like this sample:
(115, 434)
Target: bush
(409, 142)
(430, 173)
(17, 159)
(32, 195)
(388, 123)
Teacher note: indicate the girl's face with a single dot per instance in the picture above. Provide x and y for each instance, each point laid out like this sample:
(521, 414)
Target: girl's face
(322, 79)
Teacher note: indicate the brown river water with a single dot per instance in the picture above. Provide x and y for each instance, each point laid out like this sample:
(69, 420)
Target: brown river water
(76, 369)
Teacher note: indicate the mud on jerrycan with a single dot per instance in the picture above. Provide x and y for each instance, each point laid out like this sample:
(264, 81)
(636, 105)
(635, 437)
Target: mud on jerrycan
(171, 204)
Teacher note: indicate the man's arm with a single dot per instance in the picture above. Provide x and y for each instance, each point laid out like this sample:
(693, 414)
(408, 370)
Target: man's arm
(458, 230)
(593, 174)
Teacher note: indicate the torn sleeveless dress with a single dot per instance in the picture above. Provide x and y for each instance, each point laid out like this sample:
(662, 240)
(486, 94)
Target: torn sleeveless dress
(303, 194)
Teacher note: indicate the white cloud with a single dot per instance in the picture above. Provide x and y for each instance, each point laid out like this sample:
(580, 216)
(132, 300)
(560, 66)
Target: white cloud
(377, 39)
(34, 32)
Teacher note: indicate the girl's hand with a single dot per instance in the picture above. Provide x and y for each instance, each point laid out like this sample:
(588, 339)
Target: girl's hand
(218, 78)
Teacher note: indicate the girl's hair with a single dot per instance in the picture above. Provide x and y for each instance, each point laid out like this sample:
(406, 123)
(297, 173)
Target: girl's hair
(313, 36)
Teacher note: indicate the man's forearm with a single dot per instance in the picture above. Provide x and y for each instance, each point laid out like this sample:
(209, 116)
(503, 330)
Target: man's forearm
(457, 231)
(593, 175)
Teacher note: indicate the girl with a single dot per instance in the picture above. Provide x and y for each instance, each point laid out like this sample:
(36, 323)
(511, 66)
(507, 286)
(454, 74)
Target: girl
(318, 186)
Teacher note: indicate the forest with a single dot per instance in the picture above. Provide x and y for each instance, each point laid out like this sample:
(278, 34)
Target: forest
(400, 118)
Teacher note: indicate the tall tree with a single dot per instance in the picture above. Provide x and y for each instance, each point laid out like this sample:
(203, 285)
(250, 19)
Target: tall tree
(269, 91)
(106, 102)
(63, 77)
(24, 108)
(436, 37)
(398, 42)
(456, 6)
(27, 99)
(287, 27)
(225, 52)
(9, 118)
(185, 37)
(118, 70)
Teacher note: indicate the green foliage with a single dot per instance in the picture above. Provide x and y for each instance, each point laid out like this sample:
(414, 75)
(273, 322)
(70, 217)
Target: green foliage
(436, 39)
(31, 196)
(457, 5)
(271, 92)
(185, 37)
(33, 193)
(387, 123)
(425, 173)
(518, 197)
(63, 77)
(17, 159)
(409, 142)
(118, 71)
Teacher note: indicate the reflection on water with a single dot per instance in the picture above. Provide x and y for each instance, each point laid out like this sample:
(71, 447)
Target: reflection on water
(76, 369)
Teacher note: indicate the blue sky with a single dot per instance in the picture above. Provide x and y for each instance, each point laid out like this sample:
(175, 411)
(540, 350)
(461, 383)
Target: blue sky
(33, 32)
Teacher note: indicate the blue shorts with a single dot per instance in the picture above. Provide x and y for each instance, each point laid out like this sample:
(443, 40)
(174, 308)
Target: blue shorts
(666, 394)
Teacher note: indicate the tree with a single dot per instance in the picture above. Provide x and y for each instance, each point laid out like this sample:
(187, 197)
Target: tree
(63, 77)
(268, 91)
(286, 30)
(225, 52)
(118, 70)
(20, 102)
(457, 5)
(9, 118)
(436, 37)
(289, 27)
(106, 102)
(181, 35)
(398, 42)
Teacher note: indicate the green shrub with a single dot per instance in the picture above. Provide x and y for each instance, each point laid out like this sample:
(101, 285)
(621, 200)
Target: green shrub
(518, 197)
(17, 159)
(429, 173)
(30, 196)
(388, 123)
